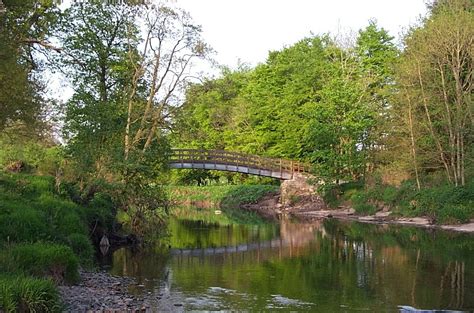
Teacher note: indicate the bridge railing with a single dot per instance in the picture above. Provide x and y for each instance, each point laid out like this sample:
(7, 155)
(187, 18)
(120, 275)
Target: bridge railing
(200, 156)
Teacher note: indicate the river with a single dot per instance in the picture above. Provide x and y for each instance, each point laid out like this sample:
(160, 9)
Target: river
(328, 266)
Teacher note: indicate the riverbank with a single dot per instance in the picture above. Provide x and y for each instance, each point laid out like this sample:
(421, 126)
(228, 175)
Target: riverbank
(100, 291)
(240, 202)
(224, 205)
(378, 218)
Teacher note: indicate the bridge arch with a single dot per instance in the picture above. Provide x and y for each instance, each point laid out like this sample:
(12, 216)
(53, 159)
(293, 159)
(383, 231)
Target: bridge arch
(222, 160)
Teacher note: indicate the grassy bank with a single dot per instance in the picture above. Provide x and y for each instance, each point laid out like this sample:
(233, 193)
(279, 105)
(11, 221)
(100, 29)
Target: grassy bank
(201, 203)
(445, 204)
(44, 238)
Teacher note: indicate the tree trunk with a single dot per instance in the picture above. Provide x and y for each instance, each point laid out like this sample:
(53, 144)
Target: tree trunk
(413, 144)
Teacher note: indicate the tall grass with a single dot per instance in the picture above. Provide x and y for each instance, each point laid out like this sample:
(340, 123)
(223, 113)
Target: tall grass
(26, 294)
(55, 261)
(43, 238)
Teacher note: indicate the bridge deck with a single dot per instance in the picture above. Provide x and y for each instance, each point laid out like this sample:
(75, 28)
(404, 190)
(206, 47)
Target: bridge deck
(235, 162)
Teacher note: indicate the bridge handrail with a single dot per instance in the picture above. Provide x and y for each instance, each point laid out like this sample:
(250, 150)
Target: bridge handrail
(198, 156)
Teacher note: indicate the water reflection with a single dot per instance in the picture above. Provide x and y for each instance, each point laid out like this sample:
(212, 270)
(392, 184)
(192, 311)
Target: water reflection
(329, 266)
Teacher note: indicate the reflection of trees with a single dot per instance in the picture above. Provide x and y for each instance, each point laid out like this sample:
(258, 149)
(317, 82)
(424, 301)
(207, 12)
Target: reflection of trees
(333, 263)
(454, 277)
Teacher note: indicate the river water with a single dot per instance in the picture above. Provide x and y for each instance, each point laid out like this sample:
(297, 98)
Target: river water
(328, 266)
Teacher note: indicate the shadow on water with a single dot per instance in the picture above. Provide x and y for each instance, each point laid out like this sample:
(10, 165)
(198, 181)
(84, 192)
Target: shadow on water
(329, 266)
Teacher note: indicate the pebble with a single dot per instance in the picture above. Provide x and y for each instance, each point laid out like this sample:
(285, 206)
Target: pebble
(101, 292)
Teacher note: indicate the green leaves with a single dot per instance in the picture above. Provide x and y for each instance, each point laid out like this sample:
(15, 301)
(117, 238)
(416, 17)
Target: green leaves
(308, 101)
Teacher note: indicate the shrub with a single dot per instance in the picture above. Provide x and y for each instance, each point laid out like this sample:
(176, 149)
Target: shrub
(47, 260)
(101, 211)
(25, 294)
(452, 214)
(81, 246)
(360, 202)
(23, 225)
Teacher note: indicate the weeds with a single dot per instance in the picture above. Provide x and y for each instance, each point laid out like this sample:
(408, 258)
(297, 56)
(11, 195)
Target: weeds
(26, 294)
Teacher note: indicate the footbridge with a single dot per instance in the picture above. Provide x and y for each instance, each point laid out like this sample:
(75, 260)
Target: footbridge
(222, 160)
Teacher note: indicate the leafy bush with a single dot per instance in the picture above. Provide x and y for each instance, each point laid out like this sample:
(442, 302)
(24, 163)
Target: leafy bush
(24, 225)
(360, 202)
(47, 260)
(81, 246)
(26, 294)
(100, 211)
(442, 203)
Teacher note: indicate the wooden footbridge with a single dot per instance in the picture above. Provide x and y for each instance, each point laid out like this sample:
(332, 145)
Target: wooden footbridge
(221, 160)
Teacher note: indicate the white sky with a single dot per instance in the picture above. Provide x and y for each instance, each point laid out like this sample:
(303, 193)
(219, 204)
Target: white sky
(246, 30)
(249, 29)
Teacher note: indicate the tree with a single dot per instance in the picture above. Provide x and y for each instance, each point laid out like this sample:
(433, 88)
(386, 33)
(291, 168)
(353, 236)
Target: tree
(96, 40)
(273, 116)
(161, 73)
(24, 29)
(376, 55)
(437, 77)
(341, 121)
(127, 87)
(206, 119)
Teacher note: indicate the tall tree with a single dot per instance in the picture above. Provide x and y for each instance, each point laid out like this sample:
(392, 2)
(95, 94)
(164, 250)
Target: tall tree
(171, 44)
(341, 120)
(438, 77)
(24, 30)
(375, 55)
(278, 99)
(128, 84)
(96, 40)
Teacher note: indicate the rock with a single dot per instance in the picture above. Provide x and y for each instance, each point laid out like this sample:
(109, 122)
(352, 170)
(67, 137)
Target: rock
(383, 214)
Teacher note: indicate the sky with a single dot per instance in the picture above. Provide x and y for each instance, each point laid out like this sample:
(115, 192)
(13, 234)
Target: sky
(244, 31)
(247, 30)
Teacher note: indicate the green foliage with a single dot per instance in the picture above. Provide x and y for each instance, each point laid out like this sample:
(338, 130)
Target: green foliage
(81, 246)
(434, 105)
(23, 26)
(308, 101)
(23, 225)
(443, 204)
(37, 156)
(144, 209)
(54, 261)
(245, 195)
(361, 205)
(25, 294)
(31, 211)
(200, 203)
(101, 210)
(41, 234)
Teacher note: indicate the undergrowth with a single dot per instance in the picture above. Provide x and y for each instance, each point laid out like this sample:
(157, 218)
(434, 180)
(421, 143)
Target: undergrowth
(44, 236)
(444, 204)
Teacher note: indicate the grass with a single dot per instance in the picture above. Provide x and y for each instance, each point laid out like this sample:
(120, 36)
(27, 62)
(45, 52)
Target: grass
(200, 203)
(54, 261)
(44, 236)
(26, 294)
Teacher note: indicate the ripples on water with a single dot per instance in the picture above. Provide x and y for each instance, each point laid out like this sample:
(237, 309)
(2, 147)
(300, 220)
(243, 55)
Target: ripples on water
(329, 266)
